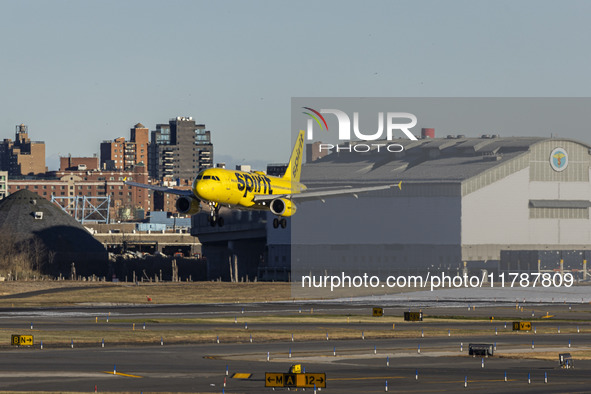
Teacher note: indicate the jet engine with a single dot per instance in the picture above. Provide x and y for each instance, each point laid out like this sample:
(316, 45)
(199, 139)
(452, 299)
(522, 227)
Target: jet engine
(282, 207)
(187, 205)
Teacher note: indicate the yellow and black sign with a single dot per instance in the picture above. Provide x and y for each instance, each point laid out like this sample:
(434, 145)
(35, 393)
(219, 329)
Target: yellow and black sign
(521, 326)
(311, 380)
(413, 316)
(378, 312)
(295, 380)
(274, 379)
(22, 340)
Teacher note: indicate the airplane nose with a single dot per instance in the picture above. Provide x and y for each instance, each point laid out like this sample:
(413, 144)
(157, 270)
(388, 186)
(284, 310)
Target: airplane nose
(200, 189)
(204, 190)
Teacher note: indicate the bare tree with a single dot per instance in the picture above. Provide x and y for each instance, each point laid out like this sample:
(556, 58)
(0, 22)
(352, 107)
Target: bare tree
(21, 258)
(38, 253)
(51, 257)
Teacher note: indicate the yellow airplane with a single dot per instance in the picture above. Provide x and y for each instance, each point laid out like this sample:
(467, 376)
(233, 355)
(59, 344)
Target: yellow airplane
(256, 190)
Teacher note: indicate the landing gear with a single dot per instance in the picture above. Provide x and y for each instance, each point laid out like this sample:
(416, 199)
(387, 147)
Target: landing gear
(214, 215)
(279, 222)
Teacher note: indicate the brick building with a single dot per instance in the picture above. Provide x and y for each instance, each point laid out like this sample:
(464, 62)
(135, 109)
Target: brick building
(79, 163)
(120, 154)
(95, 183)
(313, 152)
(22, 156)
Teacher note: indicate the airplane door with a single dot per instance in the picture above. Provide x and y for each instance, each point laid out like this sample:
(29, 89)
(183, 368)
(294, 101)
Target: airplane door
(227, 183)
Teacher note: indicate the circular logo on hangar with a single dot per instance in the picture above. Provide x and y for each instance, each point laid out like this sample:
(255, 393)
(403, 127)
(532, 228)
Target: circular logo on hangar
(559, 159)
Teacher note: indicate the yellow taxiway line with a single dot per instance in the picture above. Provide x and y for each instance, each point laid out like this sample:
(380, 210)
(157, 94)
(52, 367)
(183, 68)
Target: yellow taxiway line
(122, 374)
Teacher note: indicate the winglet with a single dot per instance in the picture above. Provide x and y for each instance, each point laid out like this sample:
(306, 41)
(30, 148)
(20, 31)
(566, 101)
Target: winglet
(294, 168)
(399, 185)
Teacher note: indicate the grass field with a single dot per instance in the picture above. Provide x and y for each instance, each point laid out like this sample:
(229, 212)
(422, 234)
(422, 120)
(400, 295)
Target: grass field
(66, 293)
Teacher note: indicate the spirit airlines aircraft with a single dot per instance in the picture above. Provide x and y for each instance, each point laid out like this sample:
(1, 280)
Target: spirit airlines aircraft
(220, 187)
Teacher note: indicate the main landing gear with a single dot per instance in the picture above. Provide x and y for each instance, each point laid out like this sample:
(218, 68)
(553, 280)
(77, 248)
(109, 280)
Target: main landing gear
(214, 217)
(279, 222)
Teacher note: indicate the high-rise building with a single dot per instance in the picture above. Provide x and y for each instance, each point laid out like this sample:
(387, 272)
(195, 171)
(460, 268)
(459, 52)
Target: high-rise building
(179, 149)
(138, 147)
(22, 156)
(120, 154)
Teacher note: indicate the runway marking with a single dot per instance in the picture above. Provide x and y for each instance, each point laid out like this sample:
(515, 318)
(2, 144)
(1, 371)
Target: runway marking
(368, 378)
(122, 374)
(48, 374)
(239, 375)
(431, 382)
(473, 381)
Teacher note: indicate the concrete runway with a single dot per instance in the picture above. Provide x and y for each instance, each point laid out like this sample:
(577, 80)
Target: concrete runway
(189, 367)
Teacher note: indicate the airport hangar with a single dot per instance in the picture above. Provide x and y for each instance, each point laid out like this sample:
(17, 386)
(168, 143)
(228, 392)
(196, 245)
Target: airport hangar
(512, 204)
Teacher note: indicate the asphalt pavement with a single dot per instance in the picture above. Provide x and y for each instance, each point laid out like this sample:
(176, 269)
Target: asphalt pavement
(412, 363)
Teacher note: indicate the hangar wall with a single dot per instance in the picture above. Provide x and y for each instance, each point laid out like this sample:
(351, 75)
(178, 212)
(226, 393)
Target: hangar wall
(378, 234)
(500, 216)
(497, 213)
(378, 220)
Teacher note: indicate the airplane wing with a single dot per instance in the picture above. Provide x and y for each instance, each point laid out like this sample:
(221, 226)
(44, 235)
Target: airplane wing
(163, 189)
(320, 194)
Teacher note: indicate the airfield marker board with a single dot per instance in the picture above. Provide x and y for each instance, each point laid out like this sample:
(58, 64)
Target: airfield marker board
(413, 316)
(21, 340)
(300, 380)
(521, 326)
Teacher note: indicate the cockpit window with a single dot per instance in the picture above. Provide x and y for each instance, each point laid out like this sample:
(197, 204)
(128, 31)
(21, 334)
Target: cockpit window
(213, 177)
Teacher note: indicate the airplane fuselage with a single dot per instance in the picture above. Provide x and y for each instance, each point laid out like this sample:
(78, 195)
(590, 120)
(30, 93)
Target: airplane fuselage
(238, 188)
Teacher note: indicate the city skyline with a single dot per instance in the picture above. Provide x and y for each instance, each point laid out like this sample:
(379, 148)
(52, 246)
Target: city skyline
(53, 163)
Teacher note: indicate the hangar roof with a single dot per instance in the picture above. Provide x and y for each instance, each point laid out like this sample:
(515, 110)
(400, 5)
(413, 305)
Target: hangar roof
(450, 160)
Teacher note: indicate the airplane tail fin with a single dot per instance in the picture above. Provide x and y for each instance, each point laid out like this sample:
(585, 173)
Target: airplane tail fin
(294, 168)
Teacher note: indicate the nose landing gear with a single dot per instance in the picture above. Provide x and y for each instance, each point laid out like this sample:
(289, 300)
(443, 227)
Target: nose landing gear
(214, 217)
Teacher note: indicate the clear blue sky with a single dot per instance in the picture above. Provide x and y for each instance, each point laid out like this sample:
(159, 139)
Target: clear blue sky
(79, 72)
